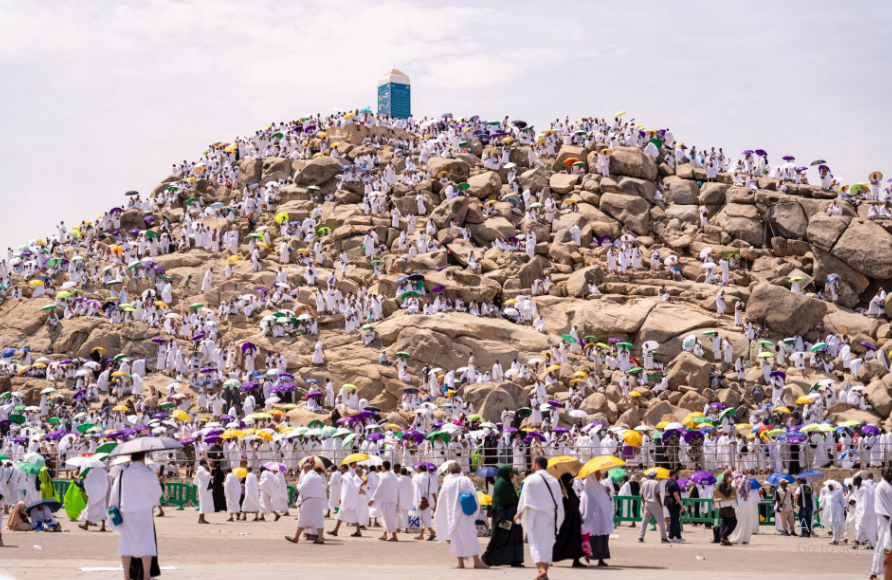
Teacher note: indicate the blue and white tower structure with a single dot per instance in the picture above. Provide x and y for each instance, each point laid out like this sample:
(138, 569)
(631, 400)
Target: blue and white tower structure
(394, 95)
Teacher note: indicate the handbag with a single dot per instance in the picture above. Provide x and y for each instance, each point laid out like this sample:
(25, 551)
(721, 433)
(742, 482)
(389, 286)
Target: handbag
(114, 513)
(468, 503)
(424, 504)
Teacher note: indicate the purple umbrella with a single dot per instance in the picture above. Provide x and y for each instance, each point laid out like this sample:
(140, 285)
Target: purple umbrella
(141, 428)
(557, 404)
(66, 361)
(19, 439)
(613, 340)
(289, 387)
(429, 466)
(438, 289)
(414, 436)
(374, 436)
(795, 439)
(158, 340)
(780, 374)
(761, 152)
(313, 394)
(717, 405)
(788, 158)
(208, 370)
(510, 429)
(198, 336)
(261, 290)
(703, 478)
(869, 430)
(227, 418)
(343, 420)
(286, 376)
(249, 386)
(534, 435)
(187, 441)
(159, 416)
(691, 435)
(560, 430)
(79, 393)
(672, 433)
(115, 210)
(248, 346)
(684, 483)
(274, 465)
(213, 439)
(148, 219)
(866, 345)
(748, 152)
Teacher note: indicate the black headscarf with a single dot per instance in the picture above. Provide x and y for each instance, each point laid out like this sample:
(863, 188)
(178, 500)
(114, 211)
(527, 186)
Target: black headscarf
(504, 494)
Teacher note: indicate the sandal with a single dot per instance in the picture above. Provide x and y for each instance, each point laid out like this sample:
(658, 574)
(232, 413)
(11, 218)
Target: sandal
(355, 535)
(290, 540)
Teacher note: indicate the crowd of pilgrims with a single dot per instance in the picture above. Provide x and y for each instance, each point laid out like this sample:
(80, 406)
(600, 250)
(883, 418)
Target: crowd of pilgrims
(74, 267)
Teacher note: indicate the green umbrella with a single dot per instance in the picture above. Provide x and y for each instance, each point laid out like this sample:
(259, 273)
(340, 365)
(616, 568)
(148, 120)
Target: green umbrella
(83, 428)
(405, 295)
(323, 230)
(167, 405)
(710, 333)
(377, 261)
(524, 412)
(120, 357)
(819, 346)
(656, 142)
(15, 418)
(634, 370)
(765, 343)
(403, 354)
(438, 435)
(19, 408)
(625, 345)
(48, 307)
(463, 186)
(727, 412)
(569, 338)
(106, 447)
(617, 474)
(29, 468)
(196, 306)
(55, 420)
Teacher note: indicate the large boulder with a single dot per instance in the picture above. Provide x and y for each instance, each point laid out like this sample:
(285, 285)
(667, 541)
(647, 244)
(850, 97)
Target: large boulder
(879, 395)
(689, 370)
(713, 193)
(453, 210)
(492, 229)
(823, 230)
(568, 152)
(633, 162)
(789, 220)
(634, 212)
(562, 182)
(682, 191)
(866, 247)
(490, 399)
(485, 185)
(783, 311)
(577, 283)
(318, 171)
(535, 178)
(851, 282)
(741, 222)
(456, 169)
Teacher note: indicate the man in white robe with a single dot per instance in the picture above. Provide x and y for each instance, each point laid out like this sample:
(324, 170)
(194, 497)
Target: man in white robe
(202, 482)
(385, 498)
(348, 506)
(269, 494)
(541, 513)
(232, 489)
(424, 498)
(334, 491)
(135, 493)
(406, 495)
(251, 503)
(96, 488)
(311, 490)
(453, 523)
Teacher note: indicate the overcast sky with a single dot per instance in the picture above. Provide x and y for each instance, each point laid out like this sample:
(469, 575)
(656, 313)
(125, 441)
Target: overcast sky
(101, 97)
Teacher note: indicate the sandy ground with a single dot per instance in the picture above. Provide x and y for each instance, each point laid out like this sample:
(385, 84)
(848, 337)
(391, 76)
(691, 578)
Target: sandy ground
(240, 550)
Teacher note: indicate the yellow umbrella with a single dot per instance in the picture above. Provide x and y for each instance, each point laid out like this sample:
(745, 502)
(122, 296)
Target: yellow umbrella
(277, 412)
(553, 368)
(121, 408)
(230, 433)
(782, 410)
(354, 458)
(393, 427)
(662, 424)
(160, 303)
(234, 258)
(660, 472)
(35, 283)
(181, 415)
(240, 472)
(806, 399)
(119, 374)
(265, 435)
(483, 499)
(580, 374)
(602, 463)
(558, 466)
(743, 426)
(632, 438)
(281, 217)
(322, 134)
(319, 154)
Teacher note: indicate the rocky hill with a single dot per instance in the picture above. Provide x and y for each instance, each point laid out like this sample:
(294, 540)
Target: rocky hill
(777, 235)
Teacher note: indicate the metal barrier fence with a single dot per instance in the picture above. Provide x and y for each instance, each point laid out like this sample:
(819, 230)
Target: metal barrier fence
(770, 458)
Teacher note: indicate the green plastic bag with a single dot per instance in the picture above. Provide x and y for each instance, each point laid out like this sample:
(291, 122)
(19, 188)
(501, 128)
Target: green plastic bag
(75, 501)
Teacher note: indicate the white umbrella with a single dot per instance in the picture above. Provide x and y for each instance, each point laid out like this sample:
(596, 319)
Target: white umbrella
(35, 459)
(578, 413)
(145, 444)
(705, 252)
(671, 260)
(85, 462)
(643, 428)
(445, 467)
(674, 426)
(373, 460)
(651, 345)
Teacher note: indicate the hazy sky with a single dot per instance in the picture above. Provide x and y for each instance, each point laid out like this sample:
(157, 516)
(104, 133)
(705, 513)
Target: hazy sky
(99, 97)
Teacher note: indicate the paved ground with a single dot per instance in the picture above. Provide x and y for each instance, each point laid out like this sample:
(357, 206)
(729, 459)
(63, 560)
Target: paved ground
(241, 550)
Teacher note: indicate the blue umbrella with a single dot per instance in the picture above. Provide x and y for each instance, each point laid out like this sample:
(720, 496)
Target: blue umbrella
(7, 352)
(775, 478)
(754, 483)
(810, 475)
(52, 504)
(488, 471)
